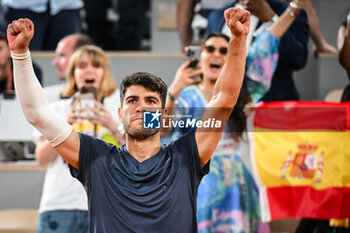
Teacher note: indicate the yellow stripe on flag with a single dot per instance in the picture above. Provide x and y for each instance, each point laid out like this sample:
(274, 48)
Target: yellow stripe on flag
(312, 158)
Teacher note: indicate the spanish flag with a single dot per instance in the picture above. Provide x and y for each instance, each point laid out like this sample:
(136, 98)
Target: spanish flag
(301, 159)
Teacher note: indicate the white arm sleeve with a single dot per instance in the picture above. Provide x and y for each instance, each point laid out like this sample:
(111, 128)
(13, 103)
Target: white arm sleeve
(34, 103)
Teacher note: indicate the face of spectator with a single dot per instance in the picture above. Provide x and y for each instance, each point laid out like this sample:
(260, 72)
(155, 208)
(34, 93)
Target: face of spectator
(4, 53)
(137, 98)
(63, 53)
(88, 72)
(213, 57)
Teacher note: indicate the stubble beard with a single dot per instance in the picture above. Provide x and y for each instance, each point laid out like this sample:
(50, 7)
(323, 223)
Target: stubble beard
(139, 133)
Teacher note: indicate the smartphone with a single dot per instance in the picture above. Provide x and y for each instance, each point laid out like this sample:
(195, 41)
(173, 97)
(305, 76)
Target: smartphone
(193, 53)
(87, 99)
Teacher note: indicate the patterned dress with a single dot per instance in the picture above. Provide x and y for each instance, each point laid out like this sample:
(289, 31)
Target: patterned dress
(228, 199)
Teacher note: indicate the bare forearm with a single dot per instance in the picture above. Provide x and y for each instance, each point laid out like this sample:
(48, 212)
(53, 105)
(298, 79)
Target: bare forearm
(315, 28)
(230, 81)
(282, 24)
(45, 153)
(226, 91)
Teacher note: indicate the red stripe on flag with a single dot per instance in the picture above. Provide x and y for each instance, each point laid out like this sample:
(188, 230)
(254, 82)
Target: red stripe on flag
(307, 202)
(305, 115)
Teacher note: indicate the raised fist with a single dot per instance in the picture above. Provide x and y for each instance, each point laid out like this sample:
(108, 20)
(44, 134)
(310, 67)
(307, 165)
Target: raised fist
(238, 20)
(19, 34)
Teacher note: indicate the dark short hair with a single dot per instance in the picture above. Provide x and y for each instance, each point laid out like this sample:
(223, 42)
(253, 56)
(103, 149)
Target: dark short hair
(210, 35)
(149, 81)
(3, 37)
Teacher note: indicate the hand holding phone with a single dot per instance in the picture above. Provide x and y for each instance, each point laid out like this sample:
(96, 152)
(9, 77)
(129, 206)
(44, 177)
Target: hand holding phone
(87, 100)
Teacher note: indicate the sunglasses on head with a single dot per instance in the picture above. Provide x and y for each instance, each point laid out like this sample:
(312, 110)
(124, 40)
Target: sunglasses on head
(211, 49)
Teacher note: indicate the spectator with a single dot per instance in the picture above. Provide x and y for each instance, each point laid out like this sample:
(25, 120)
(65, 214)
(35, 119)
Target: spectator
(2, 20)
(101, 30)
(54, 19)
(129, 31)
(63, 207)
(192, 18)
(292, 48)
(6, 70)
(344, 44)
(6, 73)
(131, 23)
(344, 52)
(64, 50)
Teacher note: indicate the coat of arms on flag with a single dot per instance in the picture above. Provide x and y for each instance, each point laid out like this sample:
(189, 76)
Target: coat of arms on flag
(304, 163)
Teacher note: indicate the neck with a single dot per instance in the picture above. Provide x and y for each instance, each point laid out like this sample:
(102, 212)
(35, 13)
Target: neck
(142, 149)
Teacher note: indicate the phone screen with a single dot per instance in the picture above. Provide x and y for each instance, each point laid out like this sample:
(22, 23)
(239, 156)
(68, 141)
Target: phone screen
(87, 99)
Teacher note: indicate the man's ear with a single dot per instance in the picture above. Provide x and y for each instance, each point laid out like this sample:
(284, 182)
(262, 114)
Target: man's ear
(120, 114)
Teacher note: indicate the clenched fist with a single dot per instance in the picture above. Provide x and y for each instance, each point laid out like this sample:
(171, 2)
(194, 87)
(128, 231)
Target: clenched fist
(238, 20)
(19, 34)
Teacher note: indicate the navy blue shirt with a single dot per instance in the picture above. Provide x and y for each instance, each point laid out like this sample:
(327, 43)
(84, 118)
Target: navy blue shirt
(156, 195)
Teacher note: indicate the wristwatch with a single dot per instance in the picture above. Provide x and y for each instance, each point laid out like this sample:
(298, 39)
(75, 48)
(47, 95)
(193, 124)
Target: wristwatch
(293, 9)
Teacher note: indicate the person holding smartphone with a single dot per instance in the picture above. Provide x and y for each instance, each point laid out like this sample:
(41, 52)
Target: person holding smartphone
(91, 109)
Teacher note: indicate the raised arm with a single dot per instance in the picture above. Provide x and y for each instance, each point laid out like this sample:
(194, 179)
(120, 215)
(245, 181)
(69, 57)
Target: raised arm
(263, 55)
(184, 19)
(229, 83)
(316, 31)
(293, 46)
(31, 96)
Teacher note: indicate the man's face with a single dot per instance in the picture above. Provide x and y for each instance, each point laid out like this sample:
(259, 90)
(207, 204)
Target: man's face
(138, 99)
(63, 53)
